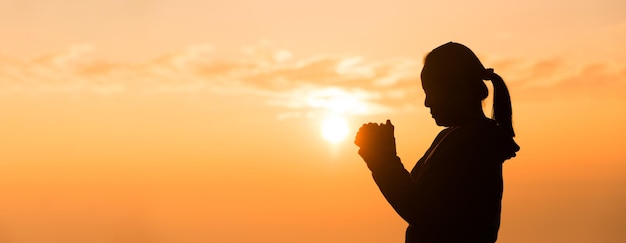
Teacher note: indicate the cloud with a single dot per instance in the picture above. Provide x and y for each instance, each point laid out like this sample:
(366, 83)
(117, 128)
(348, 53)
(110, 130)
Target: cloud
(318, 84)
(301, 86)
(558, 78)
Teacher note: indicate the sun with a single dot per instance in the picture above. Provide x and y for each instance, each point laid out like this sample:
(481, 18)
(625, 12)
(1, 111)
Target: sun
(334, 129)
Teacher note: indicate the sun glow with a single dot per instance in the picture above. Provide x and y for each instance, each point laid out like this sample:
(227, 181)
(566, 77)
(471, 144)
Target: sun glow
(336, 104)
(334, 129)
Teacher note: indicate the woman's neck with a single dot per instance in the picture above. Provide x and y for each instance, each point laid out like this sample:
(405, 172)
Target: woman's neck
(471, 116)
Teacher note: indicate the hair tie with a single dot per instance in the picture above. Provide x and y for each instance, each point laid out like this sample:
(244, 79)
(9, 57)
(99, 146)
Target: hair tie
(488, 74)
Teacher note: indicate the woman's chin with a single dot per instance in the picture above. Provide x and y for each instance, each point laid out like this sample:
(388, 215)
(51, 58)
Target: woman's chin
(439, 122)
(442, 122)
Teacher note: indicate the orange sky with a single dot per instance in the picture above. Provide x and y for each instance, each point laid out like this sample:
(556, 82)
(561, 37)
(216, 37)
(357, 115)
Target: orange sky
(199, 121)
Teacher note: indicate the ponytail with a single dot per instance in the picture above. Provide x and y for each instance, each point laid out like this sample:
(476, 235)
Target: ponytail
(502, 110)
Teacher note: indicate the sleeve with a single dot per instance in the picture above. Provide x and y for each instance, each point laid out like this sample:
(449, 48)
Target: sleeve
(412, 200)
(399, 189)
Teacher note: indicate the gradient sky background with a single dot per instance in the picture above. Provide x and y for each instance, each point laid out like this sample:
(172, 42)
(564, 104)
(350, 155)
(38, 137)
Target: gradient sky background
(199, 121)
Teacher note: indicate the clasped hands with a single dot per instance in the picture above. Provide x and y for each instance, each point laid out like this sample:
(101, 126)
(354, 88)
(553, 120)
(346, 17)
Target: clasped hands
(376, 142)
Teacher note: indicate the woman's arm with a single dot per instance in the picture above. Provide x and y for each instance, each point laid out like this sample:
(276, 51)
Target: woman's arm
(448, 182)
(377, 148)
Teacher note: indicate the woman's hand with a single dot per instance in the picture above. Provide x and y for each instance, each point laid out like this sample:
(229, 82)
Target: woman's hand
(376, 142)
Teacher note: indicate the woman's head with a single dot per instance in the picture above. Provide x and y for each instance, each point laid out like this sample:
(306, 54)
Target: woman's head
(452, 78)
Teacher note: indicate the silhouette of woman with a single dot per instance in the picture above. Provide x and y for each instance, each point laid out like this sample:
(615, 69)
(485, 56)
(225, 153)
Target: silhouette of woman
(454, 192)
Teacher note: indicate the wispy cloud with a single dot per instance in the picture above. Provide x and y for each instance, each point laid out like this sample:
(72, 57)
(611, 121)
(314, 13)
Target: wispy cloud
(559, 78)
(277, 77)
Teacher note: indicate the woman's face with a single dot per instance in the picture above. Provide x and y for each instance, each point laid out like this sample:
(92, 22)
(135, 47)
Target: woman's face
(447, 105)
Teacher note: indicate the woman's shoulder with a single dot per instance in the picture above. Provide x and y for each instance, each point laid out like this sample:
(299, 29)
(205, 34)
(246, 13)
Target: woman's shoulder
(484, 137)
(480, 131)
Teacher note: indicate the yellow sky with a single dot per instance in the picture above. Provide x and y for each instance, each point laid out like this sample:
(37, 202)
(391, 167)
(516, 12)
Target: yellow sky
(199, 121)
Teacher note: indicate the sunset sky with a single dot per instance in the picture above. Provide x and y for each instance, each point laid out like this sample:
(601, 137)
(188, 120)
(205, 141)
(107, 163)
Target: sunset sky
(202, 121)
